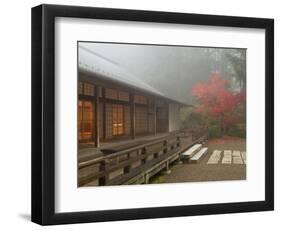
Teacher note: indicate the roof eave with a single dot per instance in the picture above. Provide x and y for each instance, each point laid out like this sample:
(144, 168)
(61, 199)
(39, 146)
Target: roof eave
(104, 78)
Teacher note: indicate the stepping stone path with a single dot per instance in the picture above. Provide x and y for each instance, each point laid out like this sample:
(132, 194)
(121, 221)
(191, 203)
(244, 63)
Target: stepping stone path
(215, 157)
(243, 154)
(227, 158)
(237, 157)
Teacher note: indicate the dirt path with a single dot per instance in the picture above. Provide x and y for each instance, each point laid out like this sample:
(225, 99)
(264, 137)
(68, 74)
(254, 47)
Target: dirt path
(206, 172)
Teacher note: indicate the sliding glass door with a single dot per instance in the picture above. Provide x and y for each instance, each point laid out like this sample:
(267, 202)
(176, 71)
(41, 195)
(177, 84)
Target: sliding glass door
(86, 118)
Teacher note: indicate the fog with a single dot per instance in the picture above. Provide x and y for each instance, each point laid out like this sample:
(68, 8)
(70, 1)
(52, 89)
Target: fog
(170, 69)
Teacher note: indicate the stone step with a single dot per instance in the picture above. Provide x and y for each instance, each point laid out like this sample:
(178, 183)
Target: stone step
(191, 151)
(243, 154)
(215, 157)
(227, 157)
(236, 157)
(199, 155)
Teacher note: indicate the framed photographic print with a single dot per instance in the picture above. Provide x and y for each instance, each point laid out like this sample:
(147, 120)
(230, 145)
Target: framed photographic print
(142, 114)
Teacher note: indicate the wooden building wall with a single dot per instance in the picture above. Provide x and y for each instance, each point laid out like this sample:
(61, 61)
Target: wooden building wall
(127, 121)
(162, 124)
(141, 120)
(108, 117)
(174, 117)
(151, 119)
(152, 115)
(108, 126)
(101, 121)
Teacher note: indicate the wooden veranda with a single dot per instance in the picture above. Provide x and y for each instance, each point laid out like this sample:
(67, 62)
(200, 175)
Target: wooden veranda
(137, 164)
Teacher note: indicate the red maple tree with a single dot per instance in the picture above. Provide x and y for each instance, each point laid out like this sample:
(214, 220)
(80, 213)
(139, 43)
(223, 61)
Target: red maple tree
(217, 101)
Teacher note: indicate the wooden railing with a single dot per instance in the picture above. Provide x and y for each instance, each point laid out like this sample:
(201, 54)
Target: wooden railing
(143, 160)
(119, 167)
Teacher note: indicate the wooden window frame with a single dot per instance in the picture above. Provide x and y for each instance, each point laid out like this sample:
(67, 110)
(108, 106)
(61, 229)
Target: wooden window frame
(123, 120)
(118, 92)
(83, 83)
(83, 140)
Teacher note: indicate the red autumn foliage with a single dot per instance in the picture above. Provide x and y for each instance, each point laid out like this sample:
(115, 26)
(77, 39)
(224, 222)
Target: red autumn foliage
(217, 101)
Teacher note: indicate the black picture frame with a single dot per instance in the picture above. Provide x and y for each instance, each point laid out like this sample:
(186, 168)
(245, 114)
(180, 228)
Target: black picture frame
(43, 114)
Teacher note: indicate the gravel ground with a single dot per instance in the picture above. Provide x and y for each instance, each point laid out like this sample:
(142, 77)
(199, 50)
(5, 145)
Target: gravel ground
(202, 171)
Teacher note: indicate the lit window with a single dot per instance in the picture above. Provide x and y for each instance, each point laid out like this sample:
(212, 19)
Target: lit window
(123, 96)
(111, 93)
(80, 88)
(89, 89)
(86, 120)
(118, 119)
(116, 94)
(86, 89)
(140, 99)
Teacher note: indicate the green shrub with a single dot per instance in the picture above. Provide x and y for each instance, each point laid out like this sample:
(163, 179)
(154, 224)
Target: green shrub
(214, 131)
(237, 131)
(192, 120)
(241, 126)
(158, 179)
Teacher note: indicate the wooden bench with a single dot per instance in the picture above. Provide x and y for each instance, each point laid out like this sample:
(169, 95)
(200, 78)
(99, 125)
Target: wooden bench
(191, 151)
(199, 155)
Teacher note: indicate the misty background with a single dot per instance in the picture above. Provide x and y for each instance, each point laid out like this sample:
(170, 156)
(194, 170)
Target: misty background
(173, 70)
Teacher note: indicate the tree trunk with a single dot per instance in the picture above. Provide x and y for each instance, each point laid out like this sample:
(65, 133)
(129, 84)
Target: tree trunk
(221, 124)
